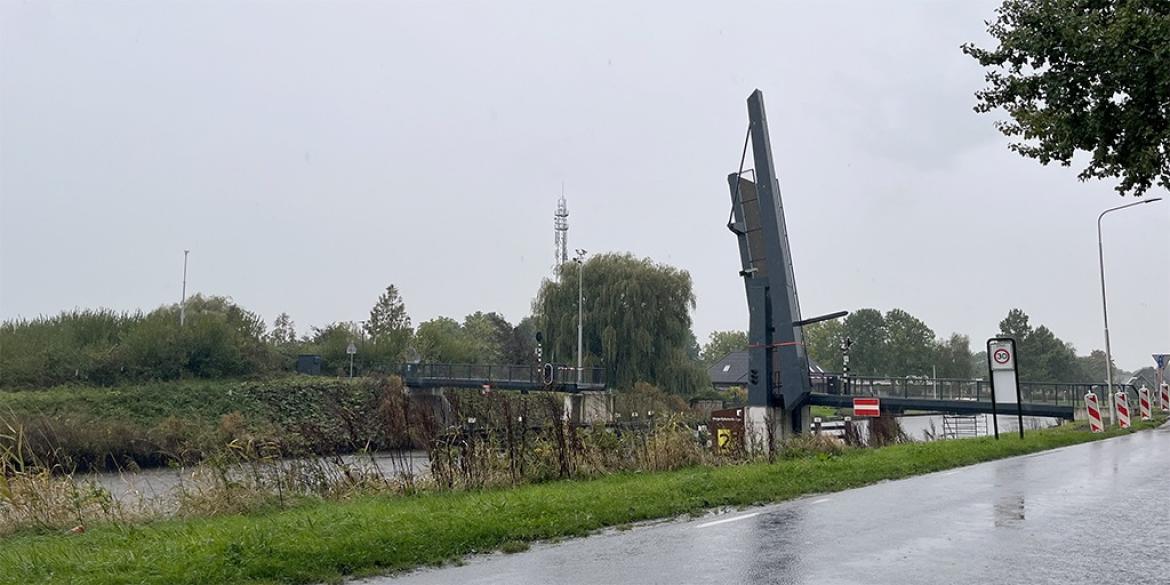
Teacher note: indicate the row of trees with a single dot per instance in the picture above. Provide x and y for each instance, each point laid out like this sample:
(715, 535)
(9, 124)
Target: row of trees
(637, 327)
(104, 347)
(898, 344)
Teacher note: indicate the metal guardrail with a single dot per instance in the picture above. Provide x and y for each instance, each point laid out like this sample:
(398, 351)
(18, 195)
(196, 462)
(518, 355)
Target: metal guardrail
(1055, 394)
(503, 374)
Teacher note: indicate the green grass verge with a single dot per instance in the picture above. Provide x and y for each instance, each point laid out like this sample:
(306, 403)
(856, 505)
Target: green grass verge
(325, 541)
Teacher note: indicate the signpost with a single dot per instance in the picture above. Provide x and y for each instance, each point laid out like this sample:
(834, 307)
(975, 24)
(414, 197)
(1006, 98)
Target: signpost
(1005, 379)
(867, 406)
(1160, 360)
(351, 349)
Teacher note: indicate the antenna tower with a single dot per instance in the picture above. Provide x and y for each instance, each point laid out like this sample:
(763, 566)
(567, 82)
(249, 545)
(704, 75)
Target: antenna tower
(561, 227)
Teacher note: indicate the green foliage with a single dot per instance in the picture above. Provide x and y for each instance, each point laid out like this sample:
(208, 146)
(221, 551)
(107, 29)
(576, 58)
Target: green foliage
(443, 340)
(389, 326)
(910, 347)
(637, 321)
(1043, 357)
(284, 331)
(822, 341)
(895, 344)
(490, 334)
(867, 329)
(160, 423)
(520, 347)
(953, 358)
(1088, 76)
(721, 343)
(331, 341)
(219, 339)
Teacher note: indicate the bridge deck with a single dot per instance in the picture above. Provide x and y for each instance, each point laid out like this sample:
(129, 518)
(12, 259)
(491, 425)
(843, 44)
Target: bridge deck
(951, 406)
(503, 377)
(957, 396)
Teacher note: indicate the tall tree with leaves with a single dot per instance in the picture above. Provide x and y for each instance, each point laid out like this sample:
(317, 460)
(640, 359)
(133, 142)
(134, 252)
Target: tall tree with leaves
(1043, 357)
(953, 357)
(1084, 76)
(389, 326)
(283, 332)
(637, 321)
(822, 341)
(489, 333)
(444, 340)
(909, 345)
(867, 355)
(721, 343)
(521, 345)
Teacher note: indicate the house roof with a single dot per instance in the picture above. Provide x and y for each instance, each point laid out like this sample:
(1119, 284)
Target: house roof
(732, 370)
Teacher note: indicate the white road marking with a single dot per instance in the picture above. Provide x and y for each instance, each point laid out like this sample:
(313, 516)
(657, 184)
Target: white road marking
(726, 520)
(821, 501)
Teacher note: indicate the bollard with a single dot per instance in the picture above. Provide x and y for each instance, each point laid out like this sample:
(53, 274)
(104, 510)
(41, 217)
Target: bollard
(1122, 410)
(1144, 403)
(1165, 397)
(1095, 424)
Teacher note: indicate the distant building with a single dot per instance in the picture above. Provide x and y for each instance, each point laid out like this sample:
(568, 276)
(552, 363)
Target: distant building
(732, 370)
(309, 364)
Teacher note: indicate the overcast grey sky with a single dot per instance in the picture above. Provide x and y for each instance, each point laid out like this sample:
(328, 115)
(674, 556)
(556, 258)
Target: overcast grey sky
(310, 153)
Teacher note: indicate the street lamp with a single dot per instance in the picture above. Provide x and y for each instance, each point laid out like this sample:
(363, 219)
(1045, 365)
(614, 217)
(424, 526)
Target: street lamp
(580, 260)
(1105, 307)
(183, 299)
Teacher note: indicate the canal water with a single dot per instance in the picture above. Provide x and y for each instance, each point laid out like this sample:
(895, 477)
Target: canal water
(159, 489)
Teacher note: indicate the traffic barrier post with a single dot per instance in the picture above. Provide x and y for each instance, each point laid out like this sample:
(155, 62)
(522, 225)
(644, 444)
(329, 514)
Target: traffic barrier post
(1095, 424)
(1122, 410)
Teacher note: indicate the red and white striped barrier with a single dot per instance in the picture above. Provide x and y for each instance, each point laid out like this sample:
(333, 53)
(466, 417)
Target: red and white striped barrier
(1122, 410)
(1144, 403)
(1165, 397)
(1094, 411)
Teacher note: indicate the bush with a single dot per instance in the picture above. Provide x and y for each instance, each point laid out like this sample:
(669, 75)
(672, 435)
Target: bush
(103, 347)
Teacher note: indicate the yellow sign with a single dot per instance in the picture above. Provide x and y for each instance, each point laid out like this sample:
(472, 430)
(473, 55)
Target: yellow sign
(723, 438)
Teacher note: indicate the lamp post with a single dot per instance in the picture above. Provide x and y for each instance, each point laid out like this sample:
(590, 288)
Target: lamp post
(183, 299)
(1105, 307)
(580, 260)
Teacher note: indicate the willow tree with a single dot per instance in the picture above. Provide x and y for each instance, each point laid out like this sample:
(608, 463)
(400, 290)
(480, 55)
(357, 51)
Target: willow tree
(636, 325)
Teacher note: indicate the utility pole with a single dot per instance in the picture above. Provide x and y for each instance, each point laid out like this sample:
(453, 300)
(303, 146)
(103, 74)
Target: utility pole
(845, 344)
(580, 260)
(1105, 308)
(183, 300)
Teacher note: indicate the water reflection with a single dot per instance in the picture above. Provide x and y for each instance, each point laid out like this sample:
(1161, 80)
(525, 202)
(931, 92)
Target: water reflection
(1009, 511)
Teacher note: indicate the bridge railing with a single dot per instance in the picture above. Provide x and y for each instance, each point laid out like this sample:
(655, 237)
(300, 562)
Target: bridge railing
(1056, 394)
(502, 374)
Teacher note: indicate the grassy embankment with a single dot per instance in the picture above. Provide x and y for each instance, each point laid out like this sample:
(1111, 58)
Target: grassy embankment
(326, 540)
(145, 425)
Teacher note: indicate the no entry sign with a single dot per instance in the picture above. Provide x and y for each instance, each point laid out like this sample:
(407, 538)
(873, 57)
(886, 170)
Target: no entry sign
(867, 406)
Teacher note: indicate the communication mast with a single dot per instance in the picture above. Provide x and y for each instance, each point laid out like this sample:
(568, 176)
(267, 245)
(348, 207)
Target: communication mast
(561, 227)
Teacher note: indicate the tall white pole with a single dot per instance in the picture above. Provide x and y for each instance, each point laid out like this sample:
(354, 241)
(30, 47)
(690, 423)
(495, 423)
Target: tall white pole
(1105, 308)
(183, 300)
(580, 313)
(580, 259)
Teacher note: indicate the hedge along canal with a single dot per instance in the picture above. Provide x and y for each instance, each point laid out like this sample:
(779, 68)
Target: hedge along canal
(324, 541)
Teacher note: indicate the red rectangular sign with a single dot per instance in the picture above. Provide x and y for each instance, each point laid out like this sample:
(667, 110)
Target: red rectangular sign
(867, 407)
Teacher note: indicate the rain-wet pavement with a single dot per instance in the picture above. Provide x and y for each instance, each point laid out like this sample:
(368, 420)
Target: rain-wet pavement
(1091, 513)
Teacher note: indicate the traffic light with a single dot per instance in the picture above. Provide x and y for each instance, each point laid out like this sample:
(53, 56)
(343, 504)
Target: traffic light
(754, 376)
(549, 374)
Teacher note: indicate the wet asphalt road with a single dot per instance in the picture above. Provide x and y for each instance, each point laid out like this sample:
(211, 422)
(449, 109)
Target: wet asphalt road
(1094, 513)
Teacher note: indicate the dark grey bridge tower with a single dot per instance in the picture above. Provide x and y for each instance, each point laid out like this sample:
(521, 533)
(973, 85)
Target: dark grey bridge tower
(779, 382)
